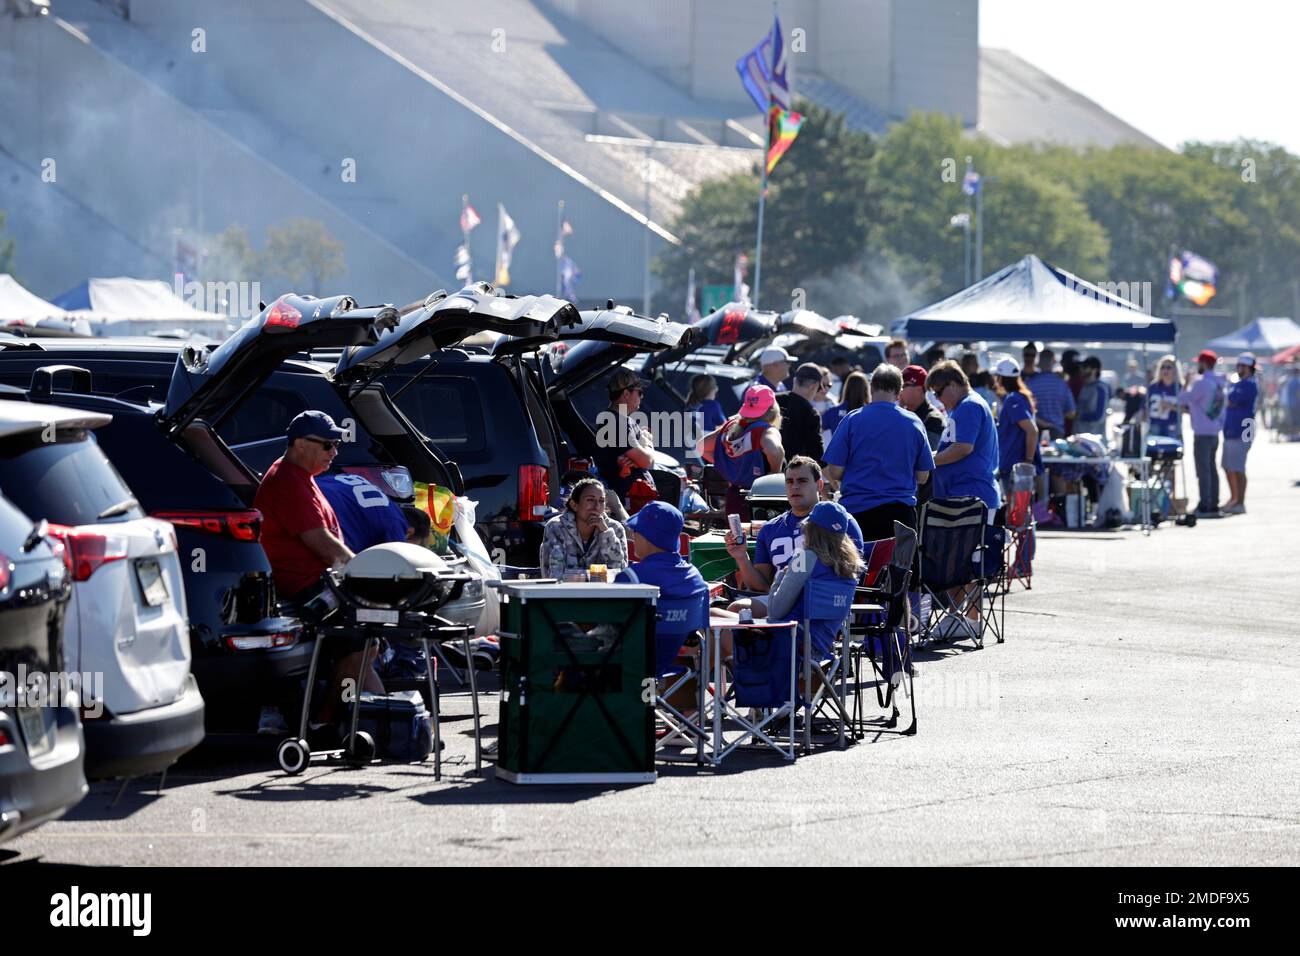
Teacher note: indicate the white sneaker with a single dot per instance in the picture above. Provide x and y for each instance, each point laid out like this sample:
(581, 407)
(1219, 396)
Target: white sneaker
(272, 722)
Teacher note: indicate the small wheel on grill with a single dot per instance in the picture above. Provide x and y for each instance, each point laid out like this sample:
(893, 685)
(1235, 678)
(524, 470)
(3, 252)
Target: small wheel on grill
(293, 755)
(359, 748)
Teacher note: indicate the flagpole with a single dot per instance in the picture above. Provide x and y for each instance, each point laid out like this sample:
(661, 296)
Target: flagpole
(464, 237)
(762, 201)
(559, 237)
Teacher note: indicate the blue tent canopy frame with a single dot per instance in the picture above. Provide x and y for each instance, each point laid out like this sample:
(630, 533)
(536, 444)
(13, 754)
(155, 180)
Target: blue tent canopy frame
(1034, 300)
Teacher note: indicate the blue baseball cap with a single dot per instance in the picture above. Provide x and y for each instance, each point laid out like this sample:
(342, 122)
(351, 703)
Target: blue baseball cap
(314, 425)
(659, 523)
(829, 515)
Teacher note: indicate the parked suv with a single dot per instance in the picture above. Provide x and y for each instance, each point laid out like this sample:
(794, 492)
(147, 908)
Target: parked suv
(489, 406)
(126, 625)
(40, 746)
(170, 453)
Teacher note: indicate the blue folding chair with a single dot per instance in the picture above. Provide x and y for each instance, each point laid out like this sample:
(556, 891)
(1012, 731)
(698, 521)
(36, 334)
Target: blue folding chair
(827, 602)
(676, 620)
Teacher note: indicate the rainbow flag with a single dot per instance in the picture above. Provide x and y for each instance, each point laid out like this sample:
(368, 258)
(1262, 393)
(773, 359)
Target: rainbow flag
(783, 127)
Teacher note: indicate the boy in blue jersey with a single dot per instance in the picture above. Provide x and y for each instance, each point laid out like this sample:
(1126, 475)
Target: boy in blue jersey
(366, 515)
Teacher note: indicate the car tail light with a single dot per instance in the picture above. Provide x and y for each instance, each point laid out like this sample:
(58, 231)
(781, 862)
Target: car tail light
(533, 493)
(282, 315)
(88, 551)
(235, 525)
(6, 572)
(262, 642)
(579, 464)
(5, 741)
(396, 482)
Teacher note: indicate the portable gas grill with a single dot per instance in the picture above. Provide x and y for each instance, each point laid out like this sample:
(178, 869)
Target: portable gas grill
(399, 592)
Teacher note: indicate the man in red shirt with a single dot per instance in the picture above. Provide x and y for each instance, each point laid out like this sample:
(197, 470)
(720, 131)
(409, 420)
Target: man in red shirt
(301, 537)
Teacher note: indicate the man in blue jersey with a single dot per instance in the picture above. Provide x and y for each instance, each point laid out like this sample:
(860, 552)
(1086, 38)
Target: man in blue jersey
(366, 515)
(1239, 432)
(781, 539)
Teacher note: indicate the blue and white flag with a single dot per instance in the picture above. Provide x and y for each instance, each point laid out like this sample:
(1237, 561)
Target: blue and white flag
(970, 183)
(692, 310)
(569, 276)
(763, 71)
(463, 269)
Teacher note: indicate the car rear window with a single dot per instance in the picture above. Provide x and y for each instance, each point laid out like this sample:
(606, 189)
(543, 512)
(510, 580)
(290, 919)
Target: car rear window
(266, 416)
(449, 411)
(14, 527)
(68, 481)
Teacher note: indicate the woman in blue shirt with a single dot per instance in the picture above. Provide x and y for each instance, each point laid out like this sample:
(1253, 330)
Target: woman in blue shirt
(1017, 430)
(855, 393)
(704, 399)
(1162, 400)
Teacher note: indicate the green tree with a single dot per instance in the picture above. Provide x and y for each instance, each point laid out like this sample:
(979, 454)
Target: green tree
(304, 253)
(815, 217)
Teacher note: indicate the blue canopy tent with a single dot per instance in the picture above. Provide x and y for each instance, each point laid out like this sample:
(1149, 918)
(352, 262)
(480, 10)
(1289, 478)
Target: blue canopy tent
(1263, 335)
(1032, 299)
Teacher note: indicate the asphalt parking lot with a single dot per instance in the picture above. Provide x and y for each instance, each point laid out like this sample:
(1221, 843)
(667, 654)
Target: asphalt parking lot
(1143, 711)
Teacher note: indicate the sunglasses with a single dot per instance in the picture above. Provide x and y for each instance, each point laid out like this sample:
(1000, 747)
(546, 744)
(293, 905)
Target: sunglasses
(327, 443)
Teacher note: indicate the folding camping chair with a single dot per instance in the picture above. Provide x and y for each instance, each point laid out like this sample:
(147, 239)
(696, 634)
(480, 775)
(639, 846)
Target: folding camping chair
(882, 622)
(1021, 538)
(826, 601)
(957, 540)
(679, 619)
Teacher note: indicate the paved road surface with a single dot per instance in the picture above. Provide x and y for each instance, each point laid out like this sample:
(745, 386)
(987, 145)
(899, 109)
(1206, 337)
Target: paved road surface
(1144, 710)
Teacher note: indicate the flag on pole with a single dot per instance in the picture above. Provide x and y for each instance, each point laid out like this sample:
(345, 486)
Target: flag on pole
(463, 270)
(1194, 276)
(692, 310)
(763, 71)
(569, 276)
(741, 290)
(783, 127)
(507, 239)
(565, 230)
(468, 218)
(970, 183)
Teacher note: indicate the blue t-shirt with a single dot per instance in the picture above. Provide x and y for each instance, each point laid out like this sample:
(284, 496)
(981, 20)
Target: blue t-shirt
(366, 515)
(677, 579)
(1162, 410)
(880, 447)
(1011, 437)
(832, 417)
(1052, 395)
(781, 538)
(711, 410)
(1241, 406)
(970, 422)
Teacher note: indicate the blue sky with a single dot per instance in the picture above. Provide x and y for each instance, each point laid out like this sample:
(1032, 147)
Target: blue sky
(1176, 69)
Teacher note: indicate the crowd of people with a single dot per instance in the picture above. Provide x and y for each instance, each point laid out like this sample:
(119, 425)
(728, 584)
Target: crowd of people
(859, 452)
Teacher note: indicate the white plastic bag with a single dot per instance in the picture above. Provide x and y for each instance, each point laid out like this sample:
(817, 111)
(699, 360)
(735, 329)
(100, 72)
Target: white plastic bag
(471, 546)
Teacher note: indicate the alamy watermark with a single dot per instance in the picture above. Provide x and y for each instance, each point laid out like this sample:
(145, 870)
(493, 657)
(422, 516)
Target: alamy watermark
(239, 300)
(40, 689)
(666, 429)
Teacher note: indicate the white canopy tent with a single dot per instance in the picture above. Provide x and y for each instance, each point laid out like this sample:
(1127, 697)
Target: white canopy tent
(18, 306)
(127, 306)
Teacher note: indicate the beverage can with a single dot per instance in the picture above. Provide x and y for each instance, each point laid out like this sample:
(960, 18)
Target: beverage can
(737, 528)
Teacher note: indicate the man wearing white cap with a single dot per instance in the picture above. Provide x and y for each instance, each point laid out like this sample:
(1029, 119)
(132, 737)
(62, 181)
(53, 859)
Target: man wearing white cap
(775, 362)
(1239, 432)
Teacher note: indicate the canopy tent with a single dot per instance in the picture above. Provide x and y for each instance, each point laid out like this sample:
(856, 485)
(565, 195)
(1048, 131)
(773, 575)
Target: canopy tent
(1262, 335)
(1032, 299)
(20, 307)
(126, 306)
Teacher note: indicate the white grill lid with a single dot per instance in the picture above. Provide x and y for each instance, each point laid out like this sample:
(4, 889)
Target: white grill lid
(396, 560)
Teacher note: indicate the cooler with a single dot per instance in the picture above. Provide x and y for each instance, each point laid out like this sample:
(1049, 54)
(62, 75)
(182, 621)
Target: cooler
(575, 659)
(709, 554)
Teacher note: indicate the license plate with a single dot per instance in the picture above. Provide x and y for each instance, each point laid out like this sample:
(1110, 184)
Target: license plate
(36, 730)
(152, 583)
(366, 615)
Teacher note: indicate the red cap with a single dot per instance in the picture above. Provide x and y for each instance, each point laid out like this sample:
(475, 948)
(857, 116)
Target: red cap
(914, 375)
(1208, 355)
